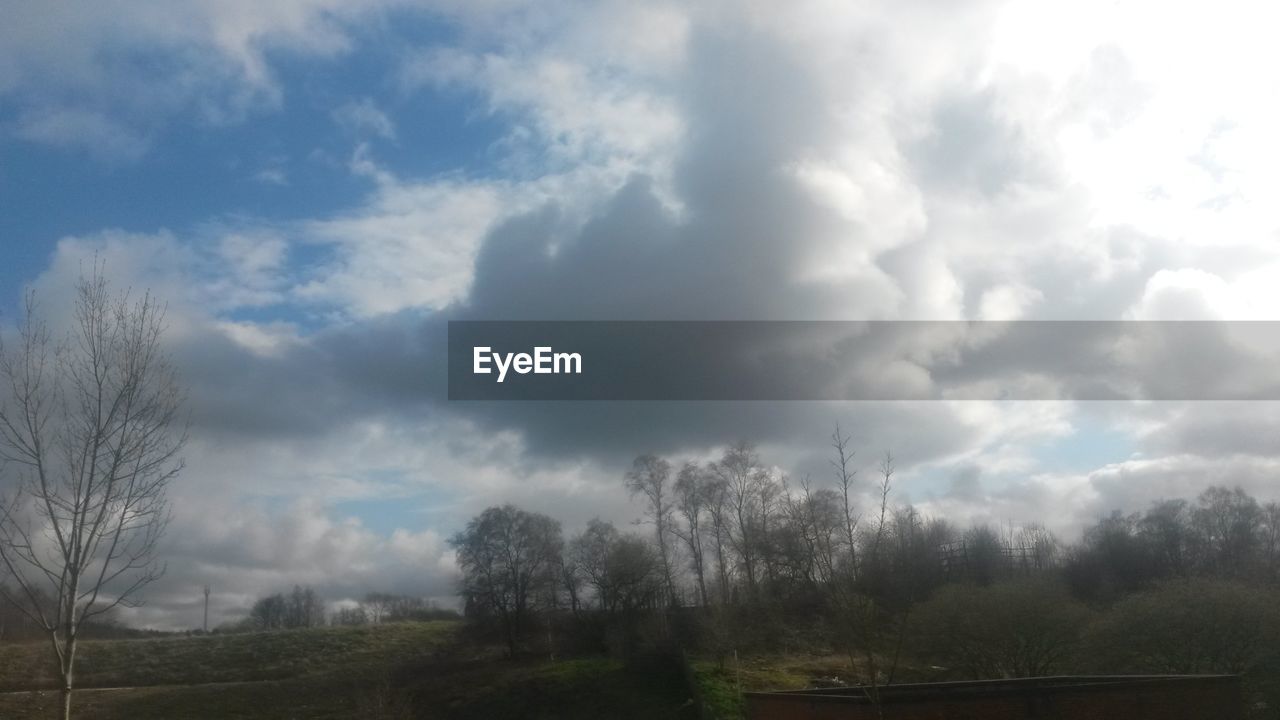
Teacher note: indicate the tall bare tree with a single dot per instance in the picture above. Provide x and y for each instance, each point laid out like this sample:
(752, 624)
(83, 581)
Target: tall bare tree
(650, 476)
(691, 500)
(743, 477)
(717, 497)
(845, 476)
(1270, 541)
(90, 436)
(815, 517)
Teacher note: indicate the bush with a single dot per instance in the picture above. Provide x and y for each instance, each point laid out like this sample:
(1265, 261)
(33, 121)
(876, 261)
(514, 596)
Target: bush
(1189, 626)
(1023, 628)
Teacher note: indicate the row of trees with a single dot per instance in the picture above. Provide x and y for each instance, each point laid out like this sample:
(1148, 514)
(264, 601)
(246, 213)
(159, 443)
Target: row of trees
(304, 608)
(301, 608)
(516, 563)
(1223, 533)
(738, 531)
(742, 547)
(379, 607)
(733, 532)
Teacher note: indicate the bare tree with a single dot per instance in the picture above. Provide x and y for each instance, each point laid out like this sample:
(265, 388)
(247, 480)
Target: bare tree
(377, 605)
(817, 521)
(886, 486)
(571, 579)
(844, 479)
(650, 476)
(270, 613)
(1228, 520)
(744, 477)
(305, 609)
(89, 439)
(865, 612)
(589, 551)
(1271, 539)
(768, 495)
(691, 501)
(350, 616)
(509, 559)
(622, 570)
(1038, 546)
(718, 510)
(862, 620)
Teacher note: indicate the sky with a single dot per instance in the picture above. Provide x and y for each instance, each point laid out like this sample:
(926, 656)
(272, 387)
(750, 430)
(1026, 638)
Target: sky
(316, 187)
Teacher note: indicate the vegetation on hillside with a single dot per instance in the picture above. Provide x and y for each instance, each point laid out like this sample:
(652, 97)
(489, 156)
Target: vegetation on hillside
(740, 561)
(309, 673)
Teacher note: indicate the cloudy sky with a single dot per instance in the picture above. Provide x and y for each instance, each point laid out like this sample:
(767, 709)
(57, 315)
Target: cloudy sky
(315, 187)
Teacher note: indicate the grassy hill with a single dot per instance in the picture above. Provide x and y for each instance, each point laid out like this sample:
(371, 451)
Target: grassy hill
(313, 674)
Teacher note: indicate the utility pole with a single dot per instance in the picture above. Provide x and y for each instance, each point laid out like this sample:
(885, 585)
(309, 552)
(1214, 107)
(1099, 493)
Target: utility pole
(206, 609)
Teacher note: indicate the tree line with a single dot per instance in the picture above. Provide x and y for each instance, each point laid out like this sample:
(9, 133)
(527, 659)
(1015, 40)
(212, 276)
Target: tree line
(735, 553)
(304, 608)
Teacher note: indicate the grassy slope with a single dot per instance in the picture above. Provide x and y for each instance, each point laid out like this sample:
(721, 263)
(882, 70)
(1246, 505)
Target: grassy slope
(320, 673)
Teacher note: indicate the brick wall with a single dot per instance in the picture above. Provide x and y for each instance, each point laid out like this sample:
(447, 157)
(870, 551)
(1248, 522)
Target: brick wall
(1130, 698)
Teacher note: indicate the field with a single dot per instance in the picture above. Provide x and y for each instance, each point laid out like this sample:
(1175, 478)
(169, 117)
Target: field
(383, 672)
(321, 673)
